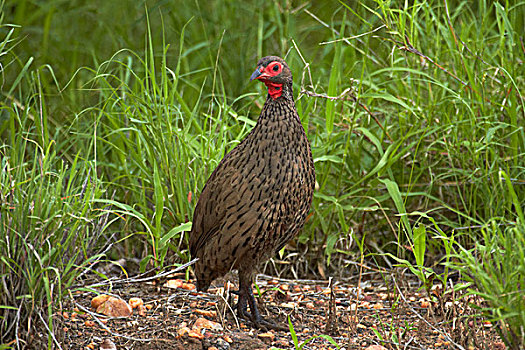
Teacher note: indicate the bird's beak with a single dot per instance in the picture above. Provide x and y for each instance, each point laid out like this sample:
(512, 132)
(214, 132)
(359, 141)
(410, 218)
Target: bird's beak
(258, 73)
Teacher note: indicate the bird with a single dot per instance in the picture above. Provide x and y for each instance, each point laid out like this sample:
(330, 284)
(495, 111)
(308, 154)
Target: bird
(259, 195)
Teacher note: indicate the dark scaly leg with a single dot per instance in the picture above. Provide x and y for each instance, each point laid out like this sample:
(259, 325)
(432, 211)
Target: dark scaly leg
(246, 297)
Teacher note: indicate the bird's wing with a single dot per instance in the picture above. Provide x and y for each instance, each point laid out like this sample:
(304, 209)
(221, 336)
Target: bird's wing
(220, 194)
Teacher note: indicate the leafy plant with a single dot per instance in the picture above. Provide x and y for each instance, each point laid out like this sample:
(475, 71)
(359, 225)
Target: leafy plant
(295, 339)
(496, 271)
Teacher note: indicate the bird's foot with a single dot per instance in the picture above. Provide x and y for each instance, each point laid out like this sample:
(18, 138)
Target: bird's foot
(246, 298)
(261, 323)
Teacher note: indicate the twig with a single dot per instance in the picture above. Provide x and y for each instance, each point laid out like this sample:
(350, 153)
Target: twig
(346, 95)
(447, 337)
(408, 47)
(324, 24)
(145, 279)
(331, 325)
(95, 317)
(49, 330)
(232, 311)
(352, 37)
(17, 338)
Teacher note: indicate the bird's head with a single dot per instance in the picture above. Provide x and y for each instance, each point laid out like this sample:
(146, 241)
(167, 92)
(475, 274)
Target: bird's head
(276, 75)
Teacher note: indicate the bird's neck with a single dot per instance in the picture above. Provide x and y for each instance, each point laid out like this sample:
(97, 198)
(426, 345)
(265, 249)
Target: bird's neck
(277, 92)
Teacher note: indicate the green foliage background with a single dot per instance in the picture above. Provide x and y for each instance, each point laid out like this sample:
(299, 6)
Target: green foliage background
(113, 115)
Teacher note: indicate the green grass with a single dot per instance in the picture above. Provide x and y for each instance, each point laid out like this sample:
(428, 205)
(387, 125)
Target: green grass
(113, 116)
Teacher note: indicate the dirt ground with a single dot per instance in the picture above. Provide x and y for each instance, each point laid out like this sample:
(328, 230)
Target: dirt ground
(389, 313)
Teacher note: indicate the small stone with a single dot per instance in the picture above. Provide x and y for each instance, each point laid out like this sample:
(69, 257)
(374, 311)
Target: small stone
(188, 286)
(142, 310)
(177, 283)
(288, 305)
(206, 313)
(376, 347)
(205, 323)
(114, 307)
(222, 344)
(194, 334)
(182, 330)
(267, 337)
(228, 338)
(107, 344)
(135, 302)
(98, 300)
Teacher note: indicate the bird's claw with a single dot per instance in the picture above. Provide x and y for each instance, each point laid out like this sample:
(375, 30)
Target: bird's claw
(261, 323)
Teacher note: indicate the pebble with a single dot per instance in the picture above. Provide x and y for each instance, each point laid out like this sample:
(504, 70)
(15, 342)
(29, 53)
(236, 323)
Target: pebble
(221, 344)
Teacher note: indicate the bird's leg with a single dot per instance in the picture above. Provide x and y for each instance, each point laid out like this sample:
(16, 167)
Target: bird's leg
(242, 305)
(246, 296)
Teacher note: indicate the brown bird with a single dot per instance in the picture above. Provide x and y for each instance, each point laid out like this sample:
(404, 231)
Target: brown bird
(258, 197)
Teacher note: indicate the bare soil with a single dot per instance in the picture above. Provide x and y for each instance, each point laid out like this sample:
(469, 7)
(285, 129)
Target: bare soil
(392, 312)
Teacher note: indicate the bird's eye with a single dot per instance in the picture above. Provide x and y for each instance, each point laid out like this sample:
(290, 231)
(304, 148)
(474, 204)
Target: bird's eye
(275, 68)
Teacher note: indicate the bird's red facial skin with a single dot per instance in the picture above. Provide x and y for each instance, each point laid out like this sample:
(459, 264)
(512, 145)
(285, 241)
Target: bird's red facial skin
(273, 69)
(275, 90)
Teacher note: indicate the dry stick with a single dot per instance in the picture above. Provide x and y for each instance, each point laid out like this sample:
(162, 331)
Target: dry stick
(346, 95)
(407, 46)
(447, 337)
(95, 317)
(49, 331)
(449, 22)
(18, 340)
(407, 346)
(331, 326)
(324, 24)
(353, 37)
(145, 279)
(359, 287)
(231, 309)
